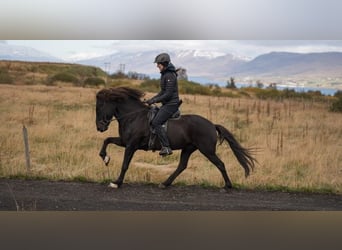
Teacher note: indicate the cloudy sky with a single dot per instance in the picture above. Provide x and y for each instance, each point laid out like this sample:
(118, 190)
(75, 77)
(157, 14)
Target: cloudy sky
(176, 19)
(82, 49)
(76, 29)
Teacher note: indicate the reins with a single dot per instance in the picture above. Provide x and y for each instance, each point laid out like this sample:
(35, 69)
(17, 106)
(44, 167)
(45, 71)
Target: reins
(130, 113)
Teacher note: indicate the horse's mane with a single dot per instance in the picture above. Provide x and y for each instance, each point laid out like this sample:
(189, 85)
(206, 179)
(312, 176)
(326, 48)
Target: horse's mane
(119, 93)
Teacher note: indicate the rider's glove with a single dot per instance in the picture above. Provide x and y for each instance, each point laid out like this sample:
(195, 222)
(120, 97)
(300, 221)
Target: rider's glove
(150, 101)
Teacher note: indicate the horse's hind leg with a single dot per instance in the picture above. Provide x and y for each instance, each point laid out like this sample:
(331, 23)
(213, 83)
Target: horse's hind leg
(103, 152)
(185, 155)
(220, 165)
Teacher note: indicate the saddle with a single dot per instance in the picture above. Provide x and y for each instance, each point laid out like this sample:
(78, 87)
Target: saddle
(150, 115)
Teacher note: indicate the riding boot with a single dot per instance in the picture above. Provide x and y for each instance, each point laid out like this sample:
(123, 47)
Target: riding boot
(165, 151)
(164, 141)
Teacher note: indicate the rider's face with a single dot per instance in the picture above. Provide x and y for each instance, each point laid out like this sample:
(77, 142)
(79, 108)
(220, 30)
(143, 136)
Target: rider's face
(160, 67)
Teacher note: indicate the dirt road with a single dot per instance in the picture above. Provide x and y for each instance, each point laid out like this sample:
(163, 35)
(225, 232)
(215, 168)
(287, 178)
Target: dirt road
(44, 195)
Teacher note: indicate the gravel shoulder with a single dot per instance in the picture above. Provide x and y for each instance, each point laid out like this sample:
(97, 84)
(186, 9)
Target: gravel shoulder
(44, 195)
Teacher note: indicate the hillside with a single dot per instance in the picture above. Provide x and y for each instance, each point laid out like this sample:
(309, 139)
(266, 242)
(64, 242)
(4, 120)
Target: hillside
(197, 63)
(321, 69)
(310, 69)
(18, 72)
(44, 73)
(291, 64)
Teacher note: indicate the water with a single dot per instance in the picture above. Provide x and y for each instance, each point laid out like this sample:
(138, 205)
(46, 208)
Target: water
(299, 89)
(324, 91)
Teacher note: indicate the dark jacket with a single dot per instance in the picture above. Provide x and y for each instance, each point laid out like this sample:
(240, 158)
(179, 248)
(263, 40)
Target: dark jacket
(168, 94)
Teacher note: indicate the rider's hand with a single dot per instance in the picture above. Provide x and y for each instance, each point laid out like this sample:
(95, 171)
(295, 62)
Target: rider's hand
(150, 101)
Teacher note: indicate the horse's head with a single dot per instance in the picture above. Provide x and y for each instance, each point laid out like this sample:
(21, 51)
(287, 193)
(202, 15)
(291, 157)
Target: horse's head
(113, 102)
(105, 111)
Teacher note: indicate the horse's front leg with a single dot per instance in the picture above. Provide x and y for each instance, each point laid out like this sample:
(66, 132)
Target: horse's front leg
(103, 152)
(129, 152)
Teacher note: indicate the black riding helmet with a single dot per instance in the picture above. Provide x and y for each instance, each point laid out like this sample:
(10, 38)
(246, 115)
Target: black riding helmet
(162, 58)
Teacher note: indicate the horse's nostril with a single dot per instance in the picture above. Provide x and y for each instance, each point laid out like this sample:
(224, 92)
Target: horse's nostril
(101, 129)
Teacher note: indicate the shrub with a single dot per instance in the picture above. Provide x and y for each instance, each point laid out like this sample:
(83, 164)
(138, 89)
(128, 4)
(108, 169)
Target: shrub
(64, 77)
(272, 93)
(268, 93)
(118, 75)
(94, 81)
(338, 94)
(336, 106)
(150, 85)
(185, 87)
(5, 77)
(188, 87)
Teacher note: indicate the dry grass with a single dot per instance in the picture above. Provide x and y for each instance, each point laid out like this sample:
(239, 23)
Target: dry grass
(300, 143)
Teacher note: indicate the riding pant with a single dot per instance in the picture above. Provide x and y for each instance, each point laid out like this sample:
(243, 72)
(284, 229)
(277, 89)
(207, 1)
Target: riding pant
(164, 113)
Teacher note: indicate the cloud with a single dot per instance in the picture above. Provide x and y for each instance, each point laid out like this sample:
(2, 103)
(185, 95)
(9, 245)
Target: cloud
(82, 56)
(154, 19)
(253, 48)
(168, 45)
(292, 43)
(248, 48)
(84, 49)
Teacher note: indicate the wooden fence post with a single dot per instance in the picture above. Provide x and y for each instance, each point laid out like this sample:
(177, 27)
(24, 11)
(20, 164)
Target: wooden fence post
(27, 150)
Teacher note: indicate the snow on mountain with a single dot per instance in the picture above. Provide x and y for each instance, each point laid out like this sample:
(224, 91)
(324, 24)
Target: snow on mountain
(203, 64)
(208, 54)
(197, 62)
(198, 53)
(23, 53)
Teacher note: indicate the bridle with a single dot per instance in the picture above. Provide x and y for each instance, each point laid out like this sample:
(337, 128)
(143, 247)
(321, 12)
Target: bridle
(104, 121)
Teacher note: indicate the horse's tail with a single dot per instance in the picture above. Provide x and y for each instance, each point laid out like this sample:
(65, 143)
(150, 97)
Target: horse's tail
(243, 155)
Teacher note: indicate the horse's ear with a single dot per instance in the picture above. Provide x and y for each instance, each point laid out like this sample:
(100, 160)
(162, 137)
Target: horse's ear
(100, 96)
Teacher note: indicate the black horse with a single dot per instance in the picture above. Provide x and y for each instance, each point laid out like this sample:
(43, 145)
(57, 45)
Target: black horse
(189, 133)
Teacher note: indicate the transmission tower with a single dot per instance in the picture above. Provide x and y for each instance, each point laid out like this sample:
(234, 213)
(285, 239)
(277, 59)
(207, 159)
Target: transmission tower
(122, 67)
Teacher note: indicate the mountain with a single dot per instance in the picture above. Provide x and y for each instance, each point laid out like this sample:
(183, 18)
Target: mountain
(274, 66)
(209, 66)
(23, 53)
(197, 63)
(284, 64)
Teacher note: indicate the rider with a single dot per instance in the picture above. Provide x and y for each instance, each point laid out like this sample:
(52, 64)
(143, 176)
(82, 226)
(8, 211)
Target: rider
(169, 98)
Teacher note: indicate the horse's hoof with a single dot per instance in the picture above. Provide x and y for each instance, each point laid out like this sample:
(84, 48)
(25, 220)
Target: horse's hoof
(113, 185)
(162, 186)
(106, 160)
(226, 190)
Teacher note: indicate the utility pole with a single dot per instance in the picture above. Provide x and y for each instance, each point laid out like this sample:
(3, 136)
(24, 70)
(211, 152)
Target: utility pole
(107, 68)
(122, 68)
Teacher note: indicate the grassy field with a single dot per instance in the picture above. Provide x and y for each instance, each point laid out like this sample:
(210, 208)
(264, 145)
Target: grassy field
(299, 142)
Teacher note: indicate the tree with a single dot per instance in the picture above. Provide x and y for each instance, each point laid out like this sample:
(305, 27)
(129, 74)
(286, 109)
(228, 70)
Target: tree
(231, 83)
(336, 106)
(272, 86)
(259, 84)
